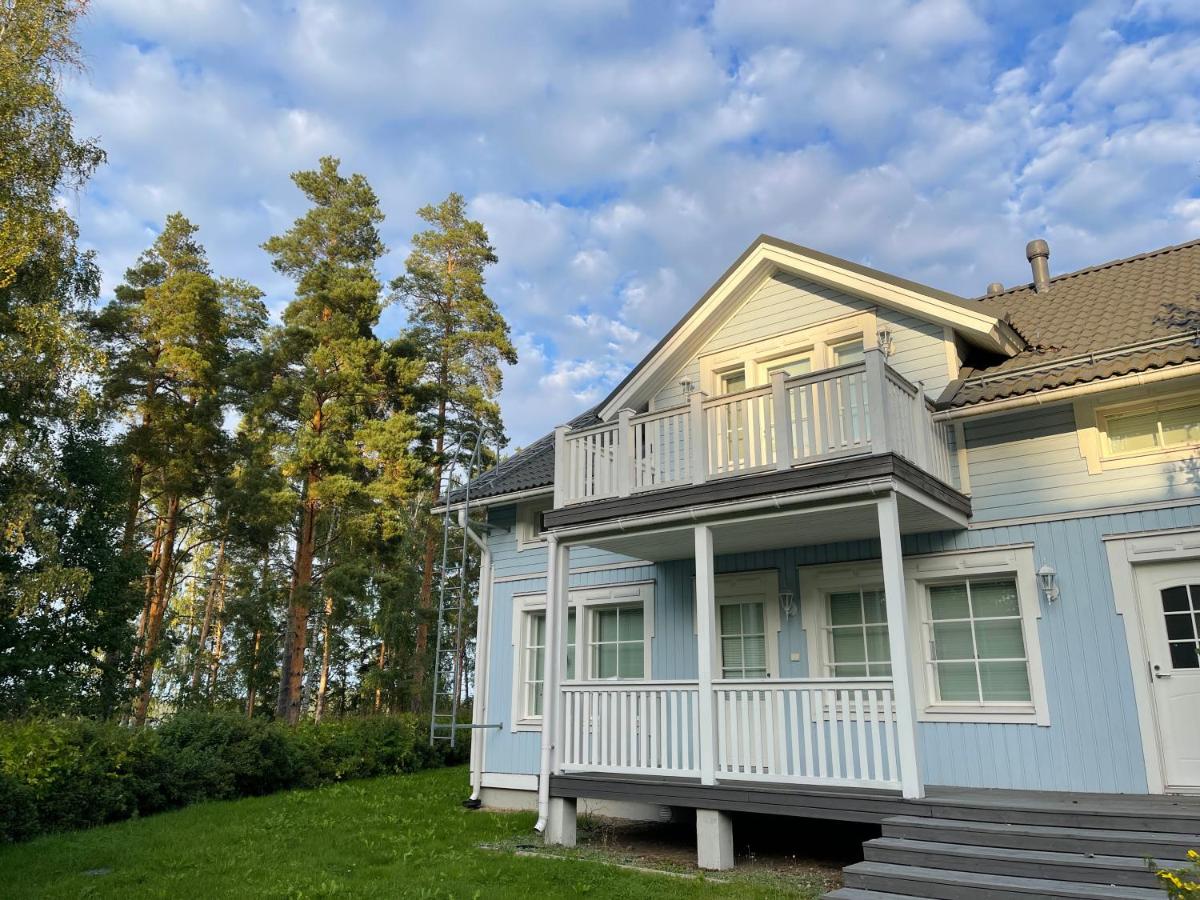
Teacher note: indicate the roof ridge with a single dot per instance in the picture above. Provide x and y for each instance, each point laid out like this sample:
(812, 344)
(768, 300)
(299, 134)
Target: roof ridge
(1087, 270)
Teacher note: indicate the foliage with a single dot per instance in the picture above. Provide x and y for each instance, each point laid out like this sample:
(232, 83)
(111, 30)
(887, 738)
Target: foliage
(60, 774)
(1182, 883)
(382, 838)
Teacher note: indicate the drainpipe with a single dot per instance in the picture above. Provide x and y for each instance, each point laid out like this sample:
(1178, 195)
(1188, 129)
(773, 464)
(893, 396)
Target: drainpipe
(483, 641)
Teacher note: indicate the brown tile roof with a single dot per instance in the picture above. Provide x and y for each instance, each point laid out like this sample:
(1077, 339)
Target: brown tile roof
(1123, 316)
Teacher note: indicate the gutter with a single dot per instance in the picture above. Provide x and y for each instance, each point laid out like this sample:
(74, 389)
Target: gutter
(498, 499)
(1067, 392)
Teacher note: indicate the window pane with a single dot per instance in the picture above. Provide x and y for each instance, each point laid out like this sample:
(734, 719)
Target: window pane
(537, 663)
(849, 352)
(631, 628)
(631, 660)
(848, 645)
(1185, 656)
(606, 661)
(1181, 425)
(606, 625)
(1175, 599)
(537, 630)
(1004, 681)
(874, 608)
(948, 601)
(1179, 627)
(571, 627)
(752, 618)
(800, 366)
(851, 671)
(732, 382)
(731, 619)
(755, 650)
(877, 644)
(731, 653)
(845, 609)
(994, 598)
(1129, 434)
(881, 670)
(956, 682)
(536, 700)
(999, 639)
(952, 640)
(570, 662)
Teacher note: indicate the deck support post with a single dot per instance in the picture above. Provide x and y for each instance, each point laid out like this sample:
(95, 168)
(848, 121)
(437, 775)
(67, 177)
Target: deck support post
(898, 643)
(714, 839)
(557, 579)
(706, 626)
(560, 828)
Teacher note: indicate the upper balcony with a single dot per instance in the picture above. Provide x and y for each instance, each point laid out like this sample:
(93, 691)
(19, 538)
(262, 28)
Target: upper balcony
(861, 409)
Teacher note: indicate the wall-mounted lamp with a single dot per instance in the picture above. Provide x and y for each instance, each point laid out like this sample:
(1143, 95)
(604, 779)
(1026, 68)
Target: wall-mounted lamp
(885, 339)
(686, 385)
(787, 604)
(1048, 581)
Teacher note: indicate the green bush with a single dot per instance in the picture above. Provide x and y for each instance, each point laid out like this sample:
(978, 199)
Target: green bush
(59, 774)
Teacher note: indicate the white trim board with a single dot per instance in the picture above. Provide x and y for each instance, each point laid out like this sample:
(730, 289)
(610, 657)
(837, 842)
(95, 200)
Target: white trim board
(582, 570)
(509, 781)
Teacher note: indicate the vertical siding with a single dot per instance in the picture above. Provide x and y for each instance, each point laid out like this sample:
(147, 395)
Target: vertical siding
(1028, 464)
(1092, 742)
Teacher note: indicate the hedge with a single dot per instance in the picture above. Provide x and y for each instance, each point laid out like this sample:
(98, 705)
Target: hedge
(60, 774)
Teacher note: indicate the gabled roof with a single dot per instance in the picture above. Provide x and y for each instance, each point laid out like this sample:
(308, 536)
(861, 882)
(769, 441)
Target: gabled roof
(768, 255)
(1124, 316)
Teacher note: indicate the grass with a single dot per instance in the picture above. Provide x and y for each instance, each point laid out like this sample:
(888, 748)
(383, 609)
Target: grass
(385, 837)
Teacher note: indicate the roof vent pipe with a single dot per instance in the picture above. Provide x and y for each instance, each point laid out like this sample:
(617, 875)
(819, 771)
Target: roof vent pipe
(995, 288)
(1038, 254)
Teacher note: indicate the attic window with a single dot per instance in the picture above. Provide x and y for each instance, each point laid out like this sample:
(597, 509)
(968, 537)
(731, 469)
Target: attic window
(530, 528)
(1168, 424)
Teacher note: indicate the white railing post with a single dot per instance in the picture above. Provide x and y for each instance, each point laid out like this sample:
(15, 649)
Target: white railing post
(624, 460)
(706, 626)
(876, 375)
(898, 643)
(698, 451)
(560, 466)
(783, 421)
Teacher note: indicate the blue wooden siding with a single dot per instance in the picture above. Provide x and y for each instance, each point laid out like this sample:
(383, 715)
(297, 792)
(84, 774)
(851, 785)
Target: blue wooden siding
(1028, 464)
(1092, 742)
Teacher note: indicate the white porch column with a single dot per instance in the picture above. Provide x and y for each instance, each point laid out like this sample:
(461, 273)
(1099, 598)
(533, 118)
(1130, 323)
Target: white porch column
(557, 575)
(706, 628)
(898, 643)
(483, 648)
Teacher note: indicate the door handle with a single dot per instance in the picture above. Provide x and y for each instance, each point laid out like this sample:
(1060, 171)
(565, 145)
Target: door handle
(1157, 671)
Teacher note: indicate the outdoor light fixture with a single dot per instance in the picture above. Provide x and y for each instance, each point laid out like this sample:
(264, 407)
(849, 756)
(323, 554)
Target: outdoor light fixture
(885, 337)
(787, 604)
(1048, 581)
(685, 384)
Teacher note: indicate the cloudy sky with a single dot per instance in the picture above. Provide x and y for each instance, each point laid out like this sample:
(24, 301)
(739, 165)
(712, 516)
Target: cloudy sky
(622, 154)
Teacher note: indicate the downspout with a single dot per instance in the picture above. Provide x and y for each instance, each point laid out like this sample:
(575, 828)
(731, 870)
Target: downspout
(483, 640)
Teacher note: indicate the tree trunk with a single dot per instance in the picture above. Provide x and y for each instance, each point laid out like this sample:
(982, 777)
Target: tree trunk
(252, 678)
(157, 610)
(209, 606)
(379, 683)
(326, 651)
(295, 636)
(426, 600)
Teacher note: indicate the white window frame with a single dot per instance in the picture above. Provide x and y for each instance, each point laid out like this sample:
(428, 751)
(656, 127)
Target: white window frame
(736, 588)
(815, 341)
(583, 601)
(1092, 412)
(528, 518)
(1016, 562)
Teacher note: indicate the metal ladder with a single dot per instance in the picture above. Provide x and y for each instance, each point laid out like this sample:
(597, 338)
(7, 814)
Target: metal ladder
(452, 603)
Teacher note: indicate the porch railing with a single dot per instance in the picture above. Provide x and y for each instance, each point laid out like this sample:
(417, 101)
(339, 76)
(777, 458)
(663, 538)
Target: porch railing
(864, 407)
(804, 731)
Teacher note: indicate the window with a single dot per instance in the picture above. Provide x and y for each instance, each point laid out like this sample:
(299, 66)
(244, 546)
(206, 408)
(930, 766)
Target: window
(743, 640)
(734, 381)
(847, 352)
(976, 647)
(1181, 607)
(529, 522)
(858, 634)
(1165, 425)
(618, 642)
(534, 663)
(789, 366)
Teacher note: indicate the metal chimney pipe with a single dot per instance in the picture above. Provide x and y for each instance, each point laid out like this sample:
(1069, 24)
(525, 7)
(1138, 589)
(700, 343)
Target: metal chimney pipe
(1038, 254)
(995, 288)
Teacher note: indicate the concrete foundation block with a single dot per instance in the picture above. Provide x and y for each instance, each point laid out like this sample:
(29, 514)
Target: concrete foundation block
(714, 840)
(560, 823)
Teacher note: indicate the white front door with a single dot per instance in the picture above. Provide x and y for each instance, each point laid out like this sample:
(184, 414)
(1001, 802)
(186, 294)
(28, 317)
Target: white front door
(1169, 597)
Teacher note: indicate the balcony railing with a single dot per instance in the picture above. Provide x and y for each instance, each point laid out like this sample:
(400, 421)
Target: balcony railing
(802, 731)
(865, 407)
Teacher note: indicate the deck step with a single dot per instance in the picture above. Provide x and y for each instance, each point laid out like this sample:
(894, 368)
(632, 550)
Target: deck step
(1118, 812)
(1077, 867)
(846, 893)
(1161, 846)
(950, 884)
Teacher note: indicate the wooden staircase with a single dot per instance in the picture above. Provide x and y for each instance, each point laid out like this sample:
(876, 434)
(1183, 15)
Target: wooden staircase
(999, 847)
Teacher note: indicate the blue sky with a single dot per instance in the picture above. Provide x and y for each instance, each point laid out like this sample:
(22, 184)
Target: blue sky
(622, 154)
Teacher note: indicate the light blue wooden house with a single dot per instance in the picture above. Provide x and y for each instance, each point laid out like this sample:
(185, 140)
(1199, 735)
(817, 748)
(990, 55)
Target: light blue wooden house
(844, 546)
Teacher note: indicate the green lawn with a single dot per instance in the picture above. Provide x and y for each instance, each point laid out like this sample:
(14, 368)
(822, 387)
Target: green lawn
(386, 837)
